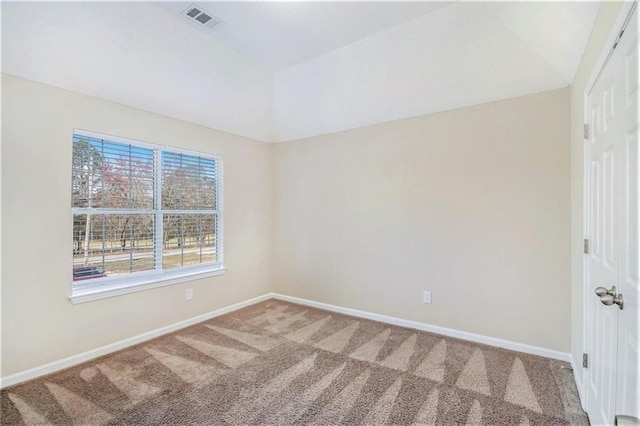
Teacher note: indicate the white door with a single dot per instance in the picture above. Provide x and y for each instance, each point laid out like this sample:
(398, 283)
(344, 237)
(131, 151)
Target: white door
(612, 379)
(628, 376)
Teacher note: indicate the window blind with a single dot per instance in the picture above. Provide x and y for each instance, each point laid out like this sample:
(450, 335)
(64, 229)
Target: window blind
(189, 209)
(140, 209)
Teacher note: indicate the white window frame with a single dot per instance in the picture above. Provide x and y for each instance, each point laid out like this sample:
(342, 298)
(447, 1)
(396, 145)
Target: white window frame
(100, 288)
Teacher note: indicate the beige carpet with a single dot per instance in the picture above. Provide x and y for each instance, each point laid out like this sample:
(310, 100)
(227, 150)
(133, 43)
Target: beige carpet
(280, 363)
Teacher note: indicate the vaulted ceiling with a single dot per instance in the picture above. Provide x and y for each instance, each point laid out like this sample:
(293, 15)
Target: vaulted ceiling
(277, 71)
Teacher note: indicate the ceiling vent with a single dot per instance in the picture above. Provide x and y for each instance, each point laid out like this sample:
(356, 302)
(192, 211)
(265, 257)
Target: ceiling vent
(198, 16)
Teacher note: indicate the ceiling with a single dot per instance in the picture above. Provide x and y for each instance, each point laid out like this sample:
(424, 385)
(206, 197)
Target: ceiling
(278, 71)
(281, 34)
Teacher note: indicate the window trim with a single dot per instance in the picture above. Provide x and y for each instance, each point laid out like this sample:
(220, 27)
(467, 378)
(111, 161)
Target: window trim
(100, 288)
(148, 282)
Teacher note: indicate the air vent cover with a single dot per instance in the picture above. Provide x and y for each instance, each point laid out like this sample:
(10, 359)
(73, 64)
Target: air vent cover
(201, 18)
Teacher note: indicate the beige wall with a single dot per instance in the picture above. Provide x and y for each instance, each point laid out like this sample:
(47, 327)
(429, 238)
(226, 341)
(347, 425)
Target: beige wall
(471, 204)
(603, 26)
(39, 324)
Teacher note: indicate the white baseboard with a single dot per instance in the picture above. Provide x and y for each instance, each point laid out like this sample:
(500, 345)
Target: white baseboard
(52, 367)
(472, 337)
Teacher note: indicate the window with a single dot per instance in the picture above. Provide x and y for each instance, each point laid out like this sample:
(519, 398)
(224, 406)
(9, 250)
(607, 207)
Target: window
(143, 215)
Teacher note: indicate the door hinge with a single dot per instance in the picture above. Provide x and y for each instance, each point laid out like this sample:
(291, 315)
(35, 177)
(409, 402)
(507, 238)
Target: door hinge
(585, 248)
(585, 361)
(615, 44)
(586, 131)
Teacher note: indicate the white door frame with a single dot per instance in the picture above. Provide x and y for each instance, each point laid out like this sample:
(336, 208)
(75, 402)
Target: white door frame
(621, 21)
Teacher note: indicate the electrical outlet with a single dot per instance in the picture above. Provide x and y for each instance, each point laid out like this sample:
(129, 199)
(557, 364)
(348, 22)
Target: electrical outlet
(189, 294)
(426, 297)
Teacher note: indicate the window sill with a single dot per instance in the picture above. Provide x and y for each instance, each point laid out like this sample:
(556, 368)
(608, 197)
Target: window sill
(140, 284)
